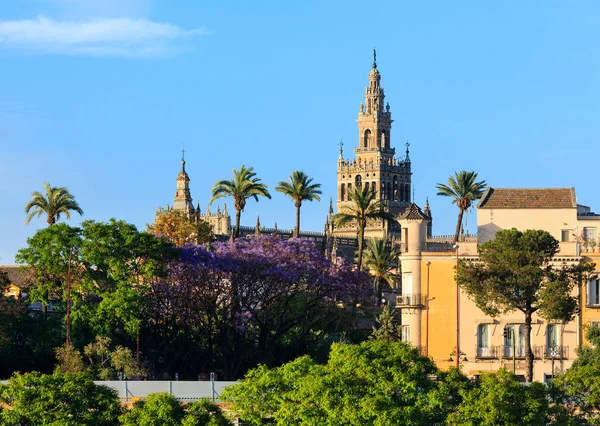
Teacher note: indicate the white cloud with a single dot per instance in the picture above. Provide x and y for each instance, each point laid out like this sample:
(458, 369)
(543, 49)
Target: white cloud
(101, 37)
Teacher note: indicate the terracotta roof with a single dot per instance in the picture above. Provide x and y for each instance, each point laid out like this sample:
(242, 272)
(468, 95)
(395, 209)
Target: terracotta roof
(528, 198)
(16, 275)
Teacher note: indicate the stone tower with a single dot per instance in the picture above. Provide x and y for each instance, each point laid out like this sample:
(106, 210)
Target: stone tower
(375, 163)
(183, 198)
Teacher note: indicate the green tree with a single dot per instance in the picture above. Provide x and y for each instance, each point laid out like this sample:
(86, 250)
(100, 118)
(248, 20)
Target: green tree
(243, 185)
(204, 413)
(299, 188)
(500, 400)
(375, 383)
(69, 360)
(363, 207)
(381, 259)
(55, 202)
(513, 273)
(389, 328)
(57, 399)
(181, 229)
(463, 189)
(581, 382)
(158, 409)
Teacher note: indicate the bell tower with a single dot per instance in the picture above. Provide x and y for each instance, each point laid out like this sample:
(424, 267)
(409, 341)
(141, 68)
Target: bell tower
(183, 198)
(375, 164)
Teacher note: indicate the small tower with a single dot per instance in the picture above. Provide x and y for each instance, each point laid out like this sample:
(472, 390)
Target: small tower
(414, 228)
(183, 198)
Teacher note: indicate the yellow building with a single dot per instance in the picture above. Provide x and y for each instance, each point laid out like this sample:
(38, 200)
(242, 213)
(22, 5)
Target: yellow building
(430, 301)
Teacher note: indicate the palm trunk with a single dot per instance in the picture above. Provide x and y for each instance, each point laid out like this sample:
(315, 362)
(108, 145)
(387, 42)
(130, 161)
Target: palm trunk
(458, 224)
(238, 214)
(528, 352)
(297, 231)
(361, 240)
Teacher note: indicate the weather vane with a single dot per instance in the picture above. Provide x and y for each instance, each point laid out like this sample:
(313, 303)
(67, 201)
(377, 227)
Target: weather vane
(374, 58)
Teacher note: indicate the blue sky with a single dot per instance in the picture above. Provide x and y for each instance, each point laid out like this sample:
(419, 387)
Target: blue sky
(100, 96)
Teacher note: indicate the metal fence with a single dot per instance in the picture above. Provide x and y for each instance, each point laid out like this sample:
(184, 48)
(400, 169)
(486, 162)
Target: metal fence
(185, 391)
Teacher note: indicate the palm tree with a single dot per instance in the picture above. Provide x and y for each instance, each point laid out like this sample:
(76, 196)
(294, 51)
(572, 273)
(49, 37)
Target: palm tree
(55, 202)
(363, 207)
(464, 190)
(381, 259)
(243, 185)
(299, 188)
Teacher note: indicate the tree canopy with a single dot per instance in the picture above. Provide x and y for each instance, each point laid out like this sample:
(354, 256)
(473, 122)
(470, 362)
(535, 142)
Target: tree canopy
(375, 383)
(243, 185)
(514, 273)
(180, 228)
(299, 188)
(464, 190)
(363, 207)
(53, 203)
(65, 399)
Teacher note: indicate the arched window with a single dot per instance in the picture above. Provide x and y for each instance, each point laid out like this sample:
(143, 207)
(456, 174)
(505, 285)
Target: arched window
(395, 188)
(343, 192)
(382, 195)
(384, 142)
(358, 181)
(367, 138)
(389, 193)
(349, 192)
(483, 341)
(406, 192)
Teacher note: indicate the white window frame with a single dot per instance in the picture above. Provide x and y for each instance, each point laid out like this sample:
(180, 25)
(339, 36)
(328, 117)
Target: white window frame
(593, 292)
(483, 340)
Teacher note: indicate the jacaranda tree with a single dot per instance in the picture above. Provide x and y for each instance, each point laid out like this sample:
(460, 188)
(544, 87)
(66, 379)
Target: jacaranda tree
(249, 302)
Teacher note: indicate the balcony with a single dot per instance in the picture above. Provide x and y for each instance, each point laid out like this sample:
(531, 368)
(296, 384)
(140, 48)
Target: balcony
(507, 351)
(556, 352)
(489, 352)
(415, 300)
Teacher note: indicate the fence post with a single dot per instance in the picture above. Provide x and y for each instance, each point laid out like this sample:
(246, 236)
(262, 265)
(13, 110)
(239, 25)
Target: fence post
(126, 391)
(170, 387)
(212, 386)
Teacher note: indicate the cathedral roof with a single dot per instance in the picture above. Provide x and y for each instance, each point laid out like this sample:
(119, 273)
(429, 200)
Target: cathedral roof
(528, 198)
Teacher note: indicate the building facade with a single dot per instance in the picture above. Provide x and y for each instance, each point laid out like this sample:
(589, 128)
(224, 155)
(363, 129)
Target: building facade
(435, 313)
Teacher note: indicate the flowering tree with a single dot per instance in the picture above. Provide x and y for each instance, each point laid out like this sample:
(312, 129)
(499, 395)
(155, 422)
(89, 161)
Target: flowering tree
(249, 298)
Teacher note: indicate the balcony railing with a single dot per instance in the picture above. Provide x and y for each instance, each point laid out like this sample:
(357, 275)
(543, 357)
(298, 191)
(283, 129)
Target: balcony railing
(556, 352)
(505, 351)
(415, 300)
(488, 352)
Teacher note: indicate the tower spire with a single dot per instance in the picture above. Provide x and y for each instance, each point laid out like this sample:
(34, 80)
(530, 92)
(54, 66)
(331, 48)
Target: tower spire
(374, 58)
(183, 198)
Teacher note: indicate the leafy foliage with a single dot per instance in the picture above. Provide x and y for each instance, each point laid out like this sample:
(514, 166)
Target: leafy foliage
(581, 382)
(53, 203)
(500, 399)
(243, 185)
(375, 383)
(513, 273)
(158, 409)
(389, 328)
(181, 229)
(362, 208)
(299, 188)
(381, 259)
(464, 190)
(58, 399)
